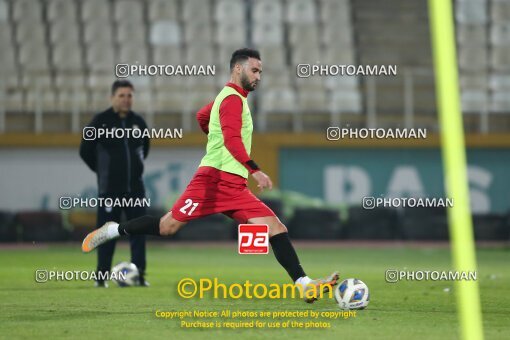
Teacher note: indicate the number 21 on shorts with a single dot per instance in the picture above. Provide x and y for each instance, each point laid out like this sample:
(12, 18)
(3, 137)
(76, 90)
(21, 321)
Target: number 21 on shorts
(188, 204)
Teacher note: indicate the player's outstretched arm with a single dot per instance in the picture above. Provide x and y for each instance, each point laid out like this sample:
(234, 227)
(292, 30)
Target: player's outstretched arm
(203, 116)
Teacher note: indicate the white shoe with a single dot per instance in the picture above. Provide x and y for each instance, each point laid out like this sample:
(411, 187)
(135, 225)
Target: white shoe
(315, 286)
(96, 238)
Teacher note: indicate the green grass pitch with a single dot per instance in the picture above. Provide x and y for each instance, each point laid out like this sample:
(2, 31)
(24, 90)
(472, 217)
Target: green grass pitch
(404, 310)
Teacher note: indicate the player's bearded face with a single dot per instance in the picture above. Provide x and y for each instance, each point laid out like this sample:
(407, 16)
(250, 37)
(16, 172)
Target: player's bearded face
(250, 74)
(246, 83)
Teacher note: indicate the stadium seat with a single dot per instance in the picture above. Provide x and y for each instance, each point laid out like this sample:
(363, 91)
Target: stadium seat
(95, 10)
(268, 34)
(230, 33)
(312, 100)
(43, 79)
(196, 11)
(303, 34)
(273, 58)
(198, 32)
(498, 81)
(5, 33)
(133, 54)
(471, 12)
(349, 83)
(305, 54)
(7, 58)
(222, 77)
(339, 54)
(313, 83)
(128, 11)
(129, 33)
(167, 55)
(101, 82)
(374, 224)
(335, 11)
(473, 57)
(473, 80)
(500, 11)
(424, 224)
(490, 227)
(267, 11)
(100, 57)
(471, 34)
(336, 35)
(29, 33)
(201, 83)
(167, 101)
(500, 102)
(38, 226)
(98, 32)
(99, 100)
(500, 58)
(165, 33)
(232, 11)
(341, 101)
(194, 100)
(474, 101)
(301, 11)
(63, 31)
(199, 54)
(67, 57)
(141, 82)
(4, 11)
(33, 57)
(223, 56)
(65, 80)
(72, 98)
(9, 79)
(168, 84)
(500, 34)
(14, 101)
(277, 100)
(271, 80)
(144, 100)
(41, 98)
(27, 10)
(315, 224)
(58, 10)
(163, 10)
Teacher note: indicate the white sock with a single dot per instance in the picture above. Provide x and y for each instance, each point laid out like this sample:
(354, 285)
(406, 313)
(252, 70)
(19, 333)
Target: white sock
(303, 281)
(113, 230)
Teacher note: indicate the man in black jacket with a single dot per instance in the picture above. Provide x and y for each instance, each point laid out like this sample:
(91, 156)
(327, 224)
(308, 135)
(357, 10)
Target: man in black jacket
(118, 164)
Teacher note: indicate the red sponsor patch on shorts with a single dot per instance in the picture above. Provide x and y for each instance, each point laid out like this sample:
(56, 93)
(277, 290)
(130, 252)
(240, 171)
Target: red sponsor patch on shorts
(253, 239)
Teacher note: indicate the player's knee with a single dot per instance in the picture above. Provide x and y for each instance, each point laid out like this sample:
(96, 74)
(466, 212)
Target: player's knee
(278, 228)
(168, 227)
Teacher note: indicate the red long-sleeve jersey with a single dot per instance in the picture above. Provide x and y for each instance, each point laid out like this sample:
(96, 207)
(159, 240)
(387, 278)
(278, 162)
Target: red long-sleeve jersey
(231, 122)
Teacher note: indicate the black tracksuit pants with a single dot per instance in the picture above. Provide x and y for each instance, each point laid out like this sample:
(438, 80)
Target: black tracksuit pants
(137, 242)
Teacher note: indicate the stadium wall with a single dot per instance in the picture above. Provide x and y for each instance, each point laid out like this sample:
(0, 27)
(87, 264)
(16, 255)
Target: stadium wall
(337, 171)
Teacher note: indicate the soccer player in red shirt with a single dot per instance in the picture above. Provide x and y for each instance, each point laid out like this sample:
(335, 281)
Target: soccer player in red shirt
(220, 183)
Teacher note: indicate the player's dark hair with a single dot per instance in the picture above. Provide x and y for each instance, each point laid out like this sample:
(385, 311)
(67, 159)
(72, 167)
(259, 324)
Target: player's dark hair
(121, 83)
(241, 55)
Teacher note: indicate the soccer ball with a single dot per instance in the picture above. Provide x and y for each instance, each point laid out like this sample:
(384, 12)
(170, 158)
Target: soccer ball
(352, 294)
(125, 274)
